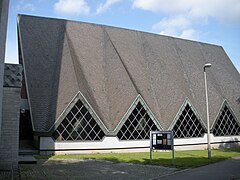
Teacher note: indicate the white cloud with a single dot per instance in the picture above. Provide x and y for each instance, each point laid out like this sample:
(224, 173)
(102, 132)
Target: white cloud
(169, 25)
(179, 26)
(72, 7)
(25, 6)
(161, 5)
(104, 6)
(28, 6)
(181, 16)
(224, 10)
(189, 34)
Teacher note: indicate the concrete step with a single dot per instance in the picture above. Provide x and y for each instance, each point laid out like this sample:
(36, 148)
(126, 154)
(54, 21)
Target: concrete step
(26, 160)
(28, 152)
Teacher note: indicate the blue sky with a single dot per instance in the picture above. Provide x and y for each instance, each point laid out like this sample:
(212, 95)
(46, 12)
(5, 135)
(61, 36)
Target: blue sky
(211, 21)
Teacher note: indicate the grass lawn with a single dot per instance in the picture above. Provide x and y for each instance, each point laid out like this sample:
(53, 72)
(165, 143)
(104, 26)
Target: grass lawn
(183, 159)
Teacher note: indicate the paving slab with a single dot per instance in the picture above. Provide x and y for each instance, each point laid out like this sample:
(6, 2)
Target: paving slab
(90, 169)
(8, 171)
(6, 175)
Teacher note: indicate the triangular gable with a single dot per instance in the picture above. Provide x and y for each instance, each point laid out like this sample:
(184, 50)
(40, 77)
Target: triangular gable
(187, 122)
(80, 99)
(226, 122)
(137, 122)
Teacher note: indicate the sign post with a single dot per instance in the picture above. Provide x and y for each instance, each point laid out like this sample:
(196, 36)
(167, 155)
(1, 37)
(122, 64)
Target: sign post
(161, 140)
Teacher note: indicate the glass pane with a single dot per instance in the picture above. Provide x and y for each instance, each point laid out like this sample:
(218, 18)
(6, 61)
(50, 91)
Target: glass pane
(226, 124)
(188, 125)
(137, 126)
(78, 125)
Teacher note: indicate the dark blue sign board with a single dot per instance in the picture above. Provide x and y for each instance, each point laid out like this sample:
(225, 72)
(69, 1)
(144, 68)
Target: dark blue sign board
(161, 140)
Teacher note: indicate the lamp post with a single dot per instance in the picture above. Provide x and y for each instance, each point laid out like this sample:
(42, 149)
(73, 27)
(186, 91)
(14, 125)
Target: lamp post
(208, 65)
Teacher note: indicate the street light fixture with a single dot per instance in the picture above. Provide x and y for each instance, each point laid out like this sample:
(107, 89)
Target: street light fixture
(208, 65)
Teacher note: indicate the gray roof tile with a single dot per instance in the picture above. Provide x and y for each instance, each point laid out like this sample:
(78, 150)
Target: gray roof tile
(111, 66)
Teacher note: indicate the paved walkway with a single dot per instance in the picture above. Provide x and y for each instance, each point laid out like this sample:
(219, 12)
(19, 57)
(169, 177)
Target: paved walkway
(224, 170)
(90, 169)
(97, 169)
(8, 171)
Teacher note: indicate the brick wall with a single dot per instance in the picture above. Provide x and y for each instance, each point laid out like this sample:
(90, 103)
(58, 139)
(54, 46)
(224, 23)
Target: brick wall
(3, 30)
(9, 140)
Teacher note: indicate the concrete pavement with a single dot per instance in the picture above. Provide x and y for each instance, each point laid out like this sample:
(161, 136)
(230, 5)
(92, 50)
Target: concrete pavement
(224, 170)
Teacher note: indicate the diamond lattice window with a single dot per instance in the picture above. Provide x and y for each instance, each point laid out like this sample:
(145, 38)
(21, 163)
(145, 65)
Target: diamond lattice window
(78, 125)
(226, 124)
(138, 125)
(188, 125)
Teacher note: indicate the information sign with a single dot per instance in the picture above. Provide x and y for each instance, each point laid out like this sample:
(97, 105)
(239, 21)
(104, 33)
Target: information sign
(161, 140)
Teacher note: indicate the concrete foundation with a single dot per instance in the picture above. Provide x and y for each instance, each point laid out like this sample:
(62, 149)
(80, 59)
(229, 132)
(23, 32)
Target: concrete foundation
(112, 144)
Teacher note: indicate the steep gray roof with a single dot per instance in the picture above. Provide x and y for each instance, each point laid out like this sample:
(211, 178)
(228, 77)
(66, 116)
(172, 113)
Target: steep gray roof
(111, 66)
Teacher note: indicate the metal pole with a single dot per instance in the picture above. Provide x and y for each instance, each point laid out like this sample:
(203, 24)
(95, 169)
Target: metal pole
(172, 148)
(151, 146)
(208, 128)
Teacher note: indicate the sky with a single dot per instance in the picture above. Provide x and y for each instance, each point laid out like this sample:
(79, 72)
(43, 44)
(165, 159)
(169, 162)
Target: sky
(209, 21)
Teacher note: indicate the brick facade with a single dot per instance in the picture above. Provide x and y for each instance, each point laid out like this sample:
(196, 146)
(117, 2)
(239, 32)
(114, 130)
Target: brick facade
(9, 140)
(3, 31)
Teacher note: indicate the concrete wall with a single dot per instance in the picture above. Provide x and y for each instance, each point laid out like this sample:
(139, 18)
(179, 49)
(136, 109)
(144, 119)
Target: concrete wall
(9, 140)
(3, 32)
(112, 144)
